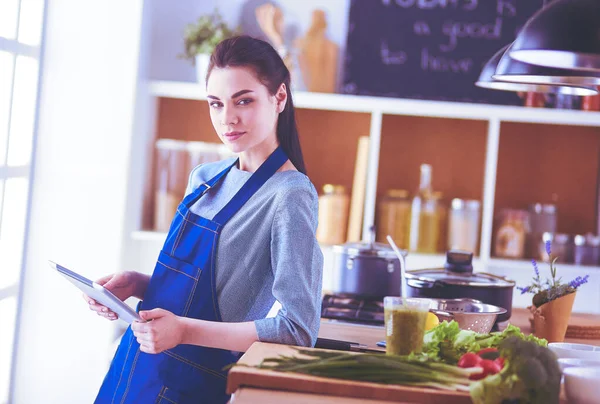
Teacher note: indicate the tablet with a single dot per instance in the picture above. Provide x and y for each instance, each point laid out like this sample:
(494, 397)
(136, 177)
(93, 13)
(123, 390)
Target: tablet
(99, 294)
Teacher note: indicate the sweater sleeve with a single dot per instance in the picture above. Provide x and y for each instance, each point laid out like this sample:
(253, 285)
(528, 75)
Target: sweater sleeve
(297, 263)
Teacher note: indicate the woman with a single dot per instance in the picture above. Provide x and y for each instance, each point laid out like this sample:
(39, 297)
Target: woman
(243, 237)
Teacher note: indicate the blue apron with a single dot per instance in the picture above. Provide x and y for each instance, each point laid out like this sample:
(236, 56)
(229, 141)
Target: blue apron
(183, 282)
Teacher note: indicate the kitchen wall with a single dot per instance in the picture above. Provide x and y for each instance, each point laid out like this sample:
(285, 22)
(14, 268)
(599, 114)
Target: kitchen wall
(170, 19)
(80, 172)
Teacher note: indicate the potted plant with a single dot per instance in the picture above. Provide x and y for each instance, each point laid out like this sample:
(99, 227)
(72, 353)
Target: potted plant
(201, 38)
(552, 301)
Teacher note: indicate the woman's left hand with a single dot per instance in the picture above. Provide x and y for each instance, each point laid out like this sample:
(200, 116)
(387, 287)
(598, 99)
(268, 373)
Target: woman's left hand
(165, 331)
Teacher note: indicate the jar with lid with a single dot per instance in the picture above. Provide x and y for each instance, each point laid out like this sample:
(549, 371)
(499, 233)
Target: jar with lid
(587, 249)
(511, 232)
(334, 205)
(463, 225)
(542, 219)
(170, 180)
(562, 247)
(393, 217)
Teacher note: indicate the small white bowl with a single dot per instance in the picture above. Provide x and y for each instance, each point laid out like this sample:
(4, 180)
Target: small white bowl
(577, 363)
(581, 385)
(579, 351)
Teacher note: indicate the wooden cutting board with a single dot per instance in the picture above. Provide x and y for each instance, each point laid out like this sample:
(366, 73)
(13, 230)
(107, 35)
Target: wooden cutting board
(242, 376)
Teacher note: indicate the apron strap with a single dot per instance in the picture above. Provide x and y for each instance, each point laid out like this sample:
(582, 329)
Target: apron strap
(264, 172)
(192, 197)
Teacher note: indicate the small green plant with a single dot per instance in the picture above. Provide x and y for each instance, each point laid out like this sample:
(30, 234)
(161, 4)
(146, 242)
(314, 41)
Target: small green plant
(204, 35)
(551, 289)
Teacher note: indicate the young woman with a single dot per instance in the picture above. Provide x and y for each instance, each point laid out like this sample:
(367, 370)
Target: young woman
(243, 237)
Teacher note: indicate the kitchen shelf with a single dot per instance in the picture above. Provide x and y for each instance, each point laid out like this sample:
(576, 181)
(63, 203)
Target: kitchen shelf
(395, 106)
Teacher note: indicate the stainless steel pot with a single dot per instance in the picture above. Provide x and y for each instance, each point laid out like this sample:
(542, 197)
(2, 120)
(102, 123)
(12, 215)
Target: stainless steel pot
(368, 270)
(457, 280)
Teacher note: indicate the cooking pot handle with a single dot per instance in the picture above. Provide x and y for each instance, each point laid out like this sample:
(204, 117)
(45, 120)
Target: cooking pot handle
(442, 315)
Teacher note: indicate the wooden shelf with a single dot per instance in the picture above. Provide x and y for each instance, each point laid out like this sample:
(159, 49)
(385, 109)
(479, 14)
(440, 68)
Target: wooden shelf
(561, 163)
(455, 148)
(329, 141)
(395, 106)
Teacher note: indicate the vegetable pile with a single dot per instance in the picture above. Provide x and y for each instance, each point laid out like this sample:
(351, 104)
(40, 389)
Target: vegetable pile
(447, 342)
(531, 375)
(494, 368)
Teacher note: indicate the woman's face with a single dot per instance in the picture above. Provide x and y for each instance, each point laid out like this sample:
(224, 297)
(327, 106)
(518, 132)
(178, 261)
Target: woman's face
(243, 112)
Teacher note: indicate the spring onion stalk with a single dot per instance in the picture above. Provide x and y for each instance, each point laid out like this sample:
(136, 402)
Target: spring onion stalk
(377, 368)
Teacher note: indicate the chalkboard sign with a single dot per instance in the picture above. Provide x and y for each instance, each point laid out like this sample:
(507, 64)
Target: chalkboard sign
(429, 49)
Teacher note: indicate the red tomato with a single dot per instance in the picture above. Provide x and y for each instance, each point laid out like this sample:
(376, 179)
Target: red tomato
(500, 361)
(469, 360)
(490, 367)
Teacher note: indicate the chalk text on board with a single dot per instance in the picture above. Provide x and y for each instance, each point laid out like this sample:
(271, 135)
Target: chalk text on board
(392, 58)
(444, 64)
(456, 29)
(431, 4)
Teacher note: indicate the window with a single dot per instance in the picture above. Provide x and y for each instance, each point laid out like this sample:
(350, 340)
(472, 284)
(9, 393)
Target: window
(20, 36)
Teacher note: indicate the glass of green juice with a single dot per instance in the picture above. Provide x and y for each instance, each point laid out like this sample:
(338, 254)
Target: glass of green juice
(404, 324)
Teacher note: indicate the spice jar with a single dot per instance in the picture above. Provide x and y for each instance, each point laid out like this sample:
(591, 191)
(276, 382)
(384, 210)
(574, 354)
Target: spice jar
(393, 217)
(334, 204)
(587, 250)
(511, 233)
(463, 225)
(542, 219)
(171, 180)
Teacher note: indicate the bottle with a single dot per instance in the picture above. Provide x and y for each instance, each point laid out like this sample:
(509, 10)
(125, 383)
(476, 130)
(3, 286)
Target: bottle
(334, 206)
(393, 217)
(424, 216)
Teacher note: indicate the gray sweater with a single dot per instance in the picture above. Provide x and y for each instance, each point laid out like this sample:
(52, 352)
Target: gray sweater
(267, 252)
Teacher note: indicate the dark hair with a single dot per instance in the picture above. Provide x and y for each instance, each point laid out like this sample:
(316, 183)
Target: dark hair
(246, 51)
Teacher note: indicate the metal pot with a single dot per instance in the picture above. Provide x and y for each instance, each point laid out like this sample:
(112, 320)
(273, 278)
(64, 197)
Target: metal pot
(457, 280)
(368, 270)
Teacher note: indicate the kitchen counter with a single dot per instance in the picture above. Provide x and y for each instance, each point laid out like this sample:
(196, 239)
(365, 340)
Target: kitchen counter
(369, 336)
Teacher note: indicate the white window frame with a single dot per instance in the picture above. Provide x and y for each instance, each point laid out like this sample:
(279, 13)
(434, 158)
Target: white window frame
(22, 171)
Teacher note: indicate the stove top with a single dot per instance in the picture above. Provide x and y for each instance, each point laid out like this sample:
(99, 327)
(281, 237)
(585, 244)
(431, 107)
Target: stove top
(353, 309)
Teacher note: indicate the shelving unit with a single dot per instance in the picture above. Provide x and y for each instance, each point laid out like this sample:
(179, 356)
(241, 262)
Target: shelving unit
(504, 156)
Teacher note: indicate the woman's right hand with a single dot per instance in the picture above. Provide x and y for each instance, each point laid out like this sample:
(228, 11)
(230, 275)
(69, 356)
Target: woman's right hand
(121, 284)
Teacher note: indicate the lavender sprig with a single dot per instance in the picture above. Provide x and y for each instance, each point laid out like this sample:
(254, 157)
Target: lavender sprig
(550, 288)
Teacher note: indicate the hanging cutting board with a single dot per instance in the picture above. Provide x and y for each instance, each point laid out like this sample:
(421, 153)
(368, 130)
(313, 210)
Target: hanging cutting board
(359, 185)
(267, 379)
(317, 56)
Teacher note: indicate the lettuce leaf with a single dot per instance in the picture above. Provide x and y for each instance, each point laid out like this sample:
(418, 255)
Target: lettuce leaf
(447, 342)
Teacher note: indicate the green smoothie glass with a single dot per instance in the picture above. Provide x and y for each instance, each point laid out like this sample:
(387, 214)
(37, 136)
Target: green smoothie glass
(404, 324)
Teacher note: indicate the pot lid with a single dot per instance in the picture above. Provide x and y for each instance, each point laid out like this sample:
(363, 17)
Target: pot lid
(362, 249)
(443, 276)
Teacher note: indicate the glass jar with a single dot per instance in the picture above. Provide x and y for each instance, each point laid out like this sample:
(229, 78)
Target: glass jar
(393, 217)
(561, 245)
(463, 225)
(170, 181)
(511, 232)
(334, 206)
(542, 219)
(586, 250)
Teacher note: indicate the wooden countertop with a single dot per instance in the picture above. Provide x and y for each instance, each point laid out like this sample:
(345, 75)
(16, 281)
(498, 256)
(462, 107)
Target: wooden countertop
(369, 336)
